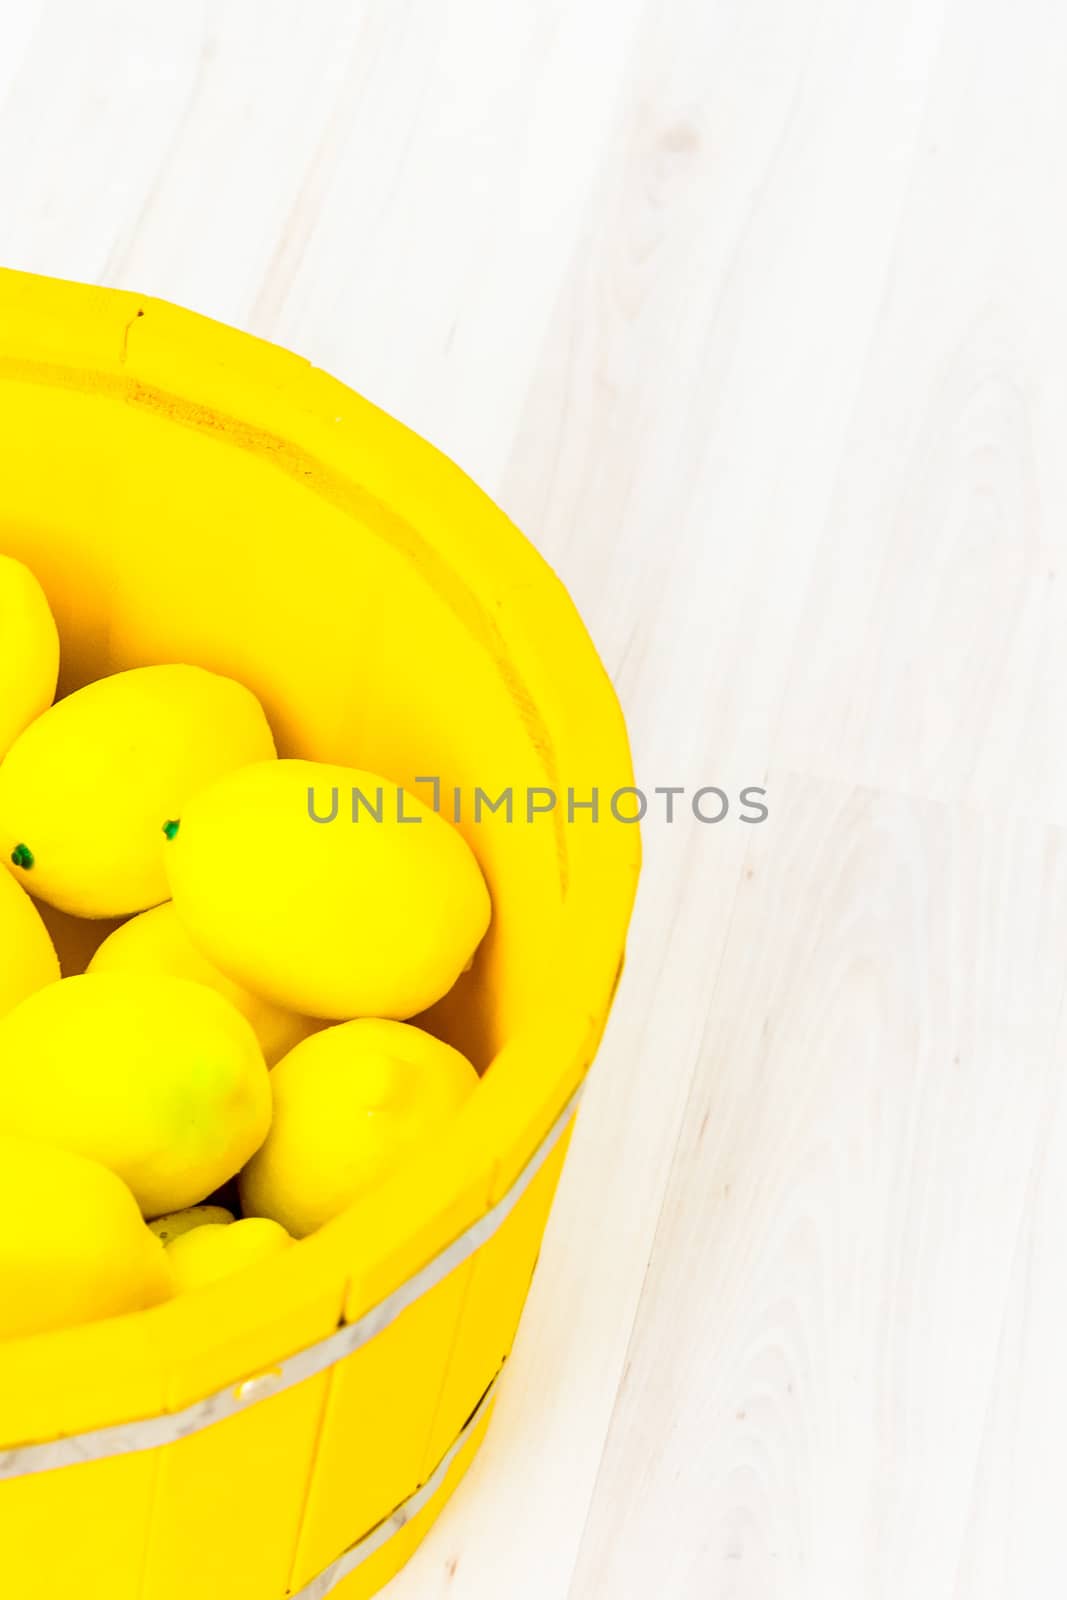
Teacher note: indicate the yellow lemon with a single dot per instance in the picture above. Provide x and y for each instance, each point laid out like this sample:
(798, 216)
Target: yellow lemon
(175, 1223)
(28, 958)
(206, 1254)
(29, 651)
(159, 1079)
(156, 941)
(73, 1245)
(335, 919)
(349, 1103)
(91, 790)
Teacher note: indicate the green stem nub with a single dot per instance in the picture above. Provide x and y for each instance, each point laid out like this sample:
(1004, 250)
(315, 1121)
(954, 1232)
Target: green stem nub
(171, 829)
(22, 856)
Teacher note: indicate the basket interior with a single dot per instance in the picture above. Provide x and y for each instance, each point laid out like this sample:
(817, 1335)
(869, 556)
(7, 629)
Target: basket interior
(161, 538)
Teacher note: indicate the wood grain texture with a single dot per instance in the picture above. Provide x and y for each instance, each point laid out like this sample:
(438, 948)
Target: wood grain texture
(749, 313)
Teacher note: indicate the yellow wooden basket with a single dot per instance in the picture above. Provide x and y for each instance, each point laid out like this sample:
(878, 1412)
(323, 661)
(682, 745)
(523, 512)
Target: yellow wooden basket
(186, 492)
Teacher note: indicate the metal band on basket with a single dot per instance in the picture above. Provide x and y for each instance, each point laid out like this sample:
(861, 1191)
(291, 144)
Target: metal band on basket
(391, 1525)
(150, 1433)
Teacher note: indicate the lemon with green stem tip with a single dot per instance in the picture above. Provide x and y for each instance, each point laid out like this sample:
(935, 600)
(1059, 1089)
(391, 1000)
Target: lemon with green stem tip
(90, 791)
(375, 917)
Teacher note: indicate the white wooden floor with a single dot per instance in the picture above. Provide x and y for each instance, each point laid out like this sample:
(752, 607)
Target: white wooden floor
(753, 313)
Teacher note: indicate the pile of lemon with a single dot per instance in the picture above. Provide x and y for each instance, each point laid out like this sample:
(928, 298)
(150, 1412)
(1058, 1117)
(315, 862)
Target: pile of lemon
(241, 1026)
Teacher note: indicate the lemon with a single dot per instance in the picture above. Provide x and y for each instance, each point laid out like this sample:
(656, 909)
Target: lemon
(90, 791)
(349, 1103)
(336, 919)
(73, 1245)
(28, 958)
(206, 1254)
(175, 1223)
(29, 651)
(157, 1078)
(156, 941)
